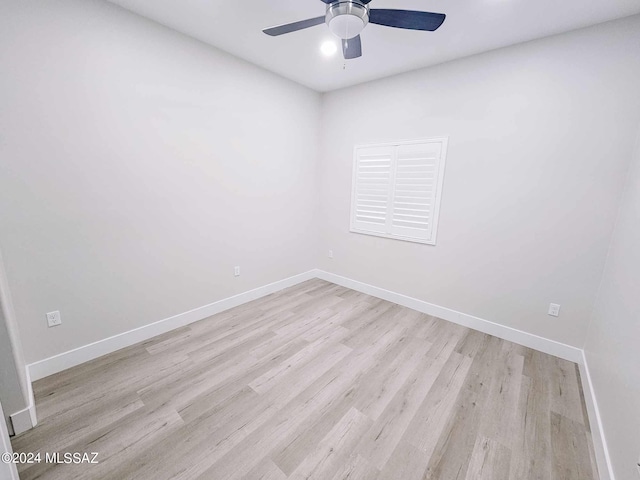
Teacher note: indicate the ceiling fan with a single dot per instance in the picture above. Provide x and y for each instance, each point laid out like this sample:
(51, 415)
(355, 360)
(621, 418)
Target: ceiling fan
(347, 18)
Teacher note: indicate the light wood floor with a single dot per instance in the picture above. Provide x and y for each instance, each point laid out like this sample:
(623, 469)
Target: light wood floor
(317, 381)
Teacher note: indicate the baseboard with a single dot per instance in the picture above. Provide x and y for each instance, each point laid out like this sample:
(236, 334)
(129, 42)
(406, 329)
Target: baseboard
(26, 418)
(71, 358)
(530, 340)
(21, 421)
(603, 459)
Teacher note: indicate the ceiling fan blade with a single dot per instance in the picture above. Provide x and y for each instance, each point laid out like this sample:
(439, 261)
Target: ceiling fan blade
(293, 27)
(329, 2)
(408, 19)
(352, 48)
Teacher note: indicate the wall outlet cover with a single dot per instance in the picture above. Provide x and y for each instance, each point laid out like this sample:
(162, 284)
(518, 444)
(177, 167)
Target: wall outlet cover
(554, 309)
(54, 319)
(236, 271)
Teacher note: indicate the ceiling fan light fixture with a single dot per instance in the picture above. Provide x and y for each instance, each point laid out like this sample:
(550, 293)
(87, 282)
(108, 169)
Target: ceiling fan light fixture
(328, 48)
(347, 19)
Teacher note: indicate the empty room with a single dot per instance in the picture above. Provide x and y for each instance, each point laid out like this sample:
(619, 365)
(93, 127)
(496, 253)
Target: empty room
(316, 239)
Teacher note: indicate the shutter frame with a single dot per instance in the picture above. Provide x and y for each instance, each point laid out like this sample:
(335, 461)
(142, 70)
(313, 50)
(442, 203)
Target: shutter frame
(404, 220)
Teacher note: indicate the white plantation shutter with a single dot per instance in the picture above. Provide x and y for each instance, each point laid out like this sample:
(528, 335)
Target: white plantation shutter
(397, 187)
(415, 187)
(372, 188)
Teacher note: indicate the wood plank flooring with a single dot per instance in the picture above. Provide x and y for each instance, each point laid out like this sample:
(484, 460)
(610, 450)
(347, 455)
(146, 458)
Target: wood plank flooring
(316, 381)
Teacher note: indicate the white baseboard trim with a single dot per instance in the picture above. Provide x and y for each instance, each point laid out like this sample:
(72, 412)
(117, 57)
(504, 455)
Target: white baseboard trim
(26, 418)
(71, 358)
(530, 340)
(605, 467)
(21, 421)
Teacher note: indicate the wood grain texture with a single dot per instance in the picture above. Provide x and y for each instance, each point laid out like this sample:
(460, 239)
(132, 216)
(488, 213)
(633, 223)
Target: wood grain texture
(316, 382)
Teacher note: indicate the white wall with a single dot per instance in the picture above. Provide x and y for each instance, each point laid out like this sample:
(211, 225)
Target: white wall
(612, 349)
(540, 135)
(137, 167)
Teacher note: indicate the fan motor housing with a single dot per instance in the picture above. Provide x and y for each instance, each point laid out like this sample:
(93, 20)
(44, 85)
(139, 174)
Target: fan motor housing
(347, 19)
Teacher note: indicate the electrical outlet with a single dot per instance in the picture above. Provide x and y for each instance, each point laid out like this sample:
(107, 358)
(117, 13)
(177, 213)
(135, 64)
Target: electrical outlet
(53, 319)
(554, 309)
(236, 271)
(330, 254)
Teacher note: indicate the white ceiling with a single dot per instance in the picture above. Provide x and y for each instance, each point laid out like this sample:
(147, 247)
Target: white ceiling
(472, 26)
